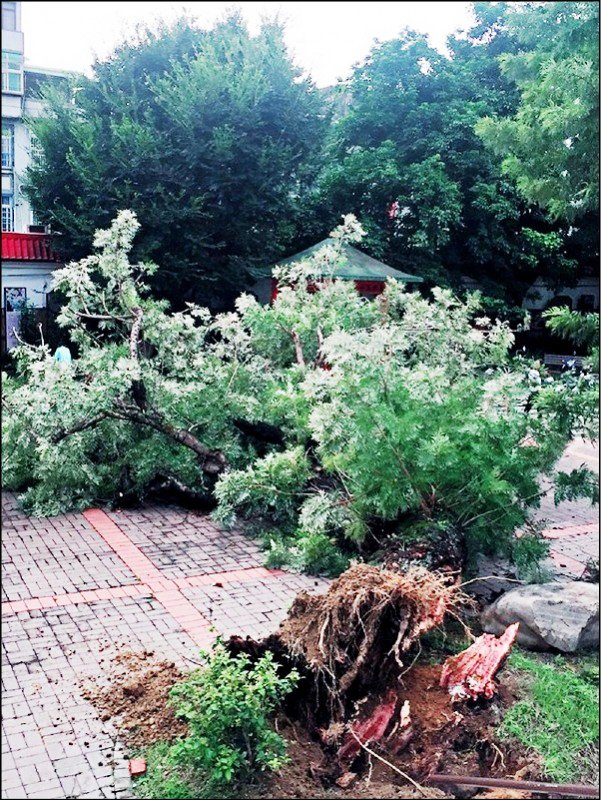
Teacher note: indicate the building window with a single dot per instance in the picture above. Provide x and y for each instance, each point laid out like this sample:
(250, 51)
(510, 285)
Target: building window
(8, 212)
(14, 298)
(35, 149)
(586, 303)
(9, 16)
(12, 72)
(8, 145)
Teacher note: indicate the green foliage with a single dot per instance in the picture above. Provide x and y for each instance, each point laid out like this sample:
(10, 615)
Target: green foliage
(271, 485)
(550, 146)
(527, 551)
(582, 329)
(380, 415)
(208, 135)
(164, 777)
(227, 705)
(405, 158)
(311, 552)
(580, 482)
(559, 717)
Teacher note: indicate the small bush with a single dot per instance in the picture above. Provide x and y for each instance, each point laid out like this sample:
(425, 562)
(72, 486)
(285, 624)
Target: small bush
(227, 706)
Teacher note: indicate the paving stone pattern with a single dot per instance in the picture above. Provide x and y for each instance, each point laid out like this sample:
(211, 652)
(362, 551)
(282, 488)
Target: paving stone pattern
(80, 588)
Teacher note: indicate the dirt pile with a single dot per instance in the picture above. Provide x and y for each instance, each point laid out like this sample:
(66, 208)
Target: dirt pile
(135, 693)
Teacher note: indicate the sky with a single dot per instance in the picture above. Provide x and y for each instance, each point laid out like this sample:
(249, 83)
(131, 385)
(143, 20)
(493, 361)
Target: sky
(324, 38)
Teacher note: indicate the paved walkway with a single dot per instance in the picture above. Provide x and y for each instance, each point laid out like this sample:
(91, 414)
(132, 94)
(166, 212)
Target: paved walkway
(79, 588)
(572, 527)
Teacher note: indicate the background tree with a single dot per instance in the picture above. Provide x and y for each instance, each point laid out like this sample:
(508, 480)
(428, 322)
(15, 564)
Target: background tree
(551, 144)
(406, 159)
(209, 136)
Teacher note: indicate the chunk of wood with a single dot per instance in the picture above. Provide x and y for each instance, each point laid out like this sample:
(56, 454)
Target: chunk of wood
(470, 675)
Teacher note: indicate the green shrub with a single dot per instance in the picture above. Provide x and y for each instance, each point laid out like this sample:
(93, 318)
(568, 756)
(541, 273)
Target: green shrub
(227, 706)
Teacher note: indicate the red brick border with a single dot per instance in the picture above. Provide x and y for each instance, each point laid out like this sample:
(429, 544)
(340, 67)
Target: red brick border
(571, 530)
(167, 591)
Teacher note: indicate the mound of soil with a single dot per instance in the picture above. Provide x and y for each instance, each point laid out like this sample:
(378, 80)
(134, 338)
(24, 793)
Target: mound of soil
(134, 694)
(459, 739)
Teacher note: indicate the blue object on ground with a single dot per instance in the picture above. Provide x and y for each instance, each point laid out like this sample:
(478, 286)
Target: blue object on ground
(62, 355)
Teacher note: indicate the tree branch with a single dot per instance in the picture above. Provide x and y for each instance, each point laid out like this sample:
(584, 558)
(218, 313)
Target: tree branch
(298, 349)
(135, 333)
(213, 461)
(84, 425)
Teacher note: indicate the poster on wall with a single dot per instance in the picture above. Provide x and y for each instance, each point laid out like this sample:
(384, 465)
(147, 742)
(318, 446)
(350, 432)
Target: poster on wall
(14, 300)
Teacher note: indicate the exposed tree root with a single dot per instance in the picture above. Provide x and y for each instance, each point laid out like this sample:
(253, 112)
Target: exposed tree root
(352, 636)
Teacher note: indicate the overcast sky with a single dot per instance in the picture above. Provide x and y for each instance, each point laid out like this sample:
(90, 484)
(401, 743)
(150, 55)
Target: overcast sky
(325, 39)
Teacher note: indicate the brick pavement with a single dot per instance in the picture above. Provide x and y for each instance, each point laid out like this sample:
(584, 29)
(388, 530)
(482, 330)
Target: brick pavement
(572, 527)
(80, 588)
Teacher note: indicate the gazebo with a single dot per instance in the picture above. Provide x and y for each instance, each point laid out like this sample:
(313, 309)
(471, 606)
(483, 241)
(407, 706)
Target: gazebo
(368, 274)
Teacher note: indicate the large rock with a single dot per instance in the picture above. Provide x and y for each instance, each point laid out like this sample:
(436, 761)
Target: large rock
(561, 616)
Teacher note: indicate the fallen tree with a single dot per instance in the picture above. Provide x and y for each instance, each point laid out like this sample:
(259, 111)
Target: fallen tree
(413, 435)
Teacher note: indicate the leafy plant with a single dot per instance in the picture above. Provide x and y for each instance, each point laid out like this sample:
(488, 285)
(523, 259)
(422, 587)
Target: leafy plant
(324, 416)
(581, 329)
(527, 551)
(164, 777)
(227, 706)
(559, 717)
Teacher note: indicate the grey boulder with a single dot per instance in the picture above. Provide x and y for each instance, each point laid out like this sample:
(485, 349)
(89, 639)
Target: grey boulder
(553, 616)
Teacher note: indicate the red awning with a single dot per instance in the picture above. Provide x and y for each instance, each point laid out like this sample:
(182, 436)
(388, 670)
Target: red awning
(27, 247)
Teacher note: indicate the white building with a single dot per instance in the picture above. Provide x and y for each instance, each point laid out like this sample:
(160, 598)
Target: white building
(582, 297)
(27, 263)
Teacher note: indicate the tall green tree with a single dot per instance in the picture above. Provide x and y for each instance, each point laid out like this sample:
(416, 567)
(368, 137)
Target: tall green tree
(407, 160)
(550, 144)
(209, 136)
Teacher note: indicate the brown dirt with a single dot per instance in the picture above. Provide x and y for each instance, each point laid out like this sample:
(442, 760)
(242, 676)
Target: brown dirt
(134, 694)
(458, 738)
(308, 775)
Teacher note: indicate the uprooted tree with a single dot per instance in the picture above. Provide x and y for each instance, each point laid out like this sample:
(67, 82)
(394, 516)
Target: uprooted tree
(326, 419)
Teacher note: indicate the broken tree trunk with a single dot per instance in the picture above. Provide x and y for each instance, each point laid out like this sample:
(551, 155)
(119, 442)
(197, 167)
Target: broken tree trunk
(373, 728)
(470, 675)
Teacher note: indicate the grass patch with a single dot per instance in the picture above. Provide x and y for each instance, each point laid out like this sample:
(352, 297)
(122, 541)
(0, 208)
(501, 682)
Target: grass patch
(559, 717)
(163, 777)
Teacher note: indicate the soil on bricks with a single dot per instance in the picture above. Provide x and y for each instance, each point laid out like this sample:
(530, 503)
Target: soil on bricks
(134, 694)
(448, 738)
